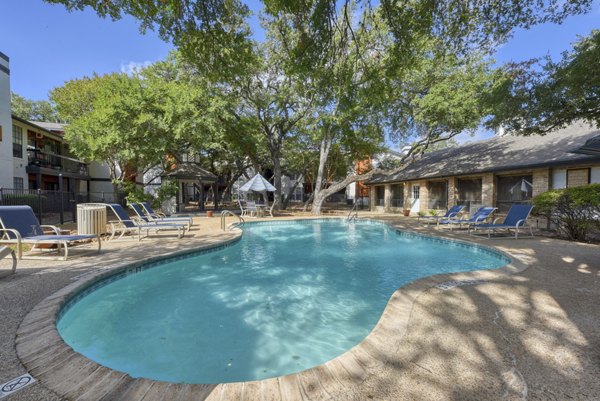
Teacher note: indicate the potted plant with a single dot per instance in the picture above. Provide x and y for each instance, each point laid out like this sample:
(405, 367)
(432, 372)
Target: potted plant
(406, 212)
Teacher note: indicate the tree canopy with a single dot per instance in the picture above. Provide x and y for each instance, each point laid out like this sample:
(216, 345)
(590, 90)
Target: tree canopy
(33, 110)
(542, 95)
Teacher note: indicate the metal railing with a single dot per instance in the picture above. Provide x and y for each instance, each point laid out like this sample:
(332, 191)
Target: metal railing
(224, 214)
(353, 214)
(57, 162)
(55, 207)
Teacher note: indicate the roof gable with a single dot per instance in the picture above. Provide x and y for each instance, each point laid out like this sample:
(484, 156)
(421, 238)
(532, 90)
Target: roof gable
(509, 152)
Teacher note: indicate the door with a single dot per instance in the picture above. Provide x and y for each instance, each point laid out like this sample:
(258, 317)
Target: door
(416, 203)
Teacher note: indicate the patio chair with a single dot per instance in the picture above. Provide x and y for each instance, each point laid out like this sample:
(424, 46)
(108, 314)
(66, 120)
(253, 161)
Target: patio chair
(451, 213)
(479, 217)
(158, 215)
(515, 219)
(4, 252)
(252, 210)
(148, 218)
(125, 224)
(20, 226)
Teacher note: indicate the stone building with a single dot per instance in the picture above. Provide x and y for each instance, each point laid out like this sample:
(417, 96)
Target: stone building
(495, 172)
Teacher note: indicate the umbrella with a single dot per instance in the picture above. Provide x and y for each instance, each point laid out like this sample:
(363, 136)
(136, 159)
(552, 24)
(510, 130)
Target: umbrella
(257, 184)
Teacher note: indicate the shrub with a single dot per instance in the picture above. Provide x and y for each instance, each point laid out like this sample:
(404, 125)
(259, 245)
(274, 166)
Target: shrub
(433, 212)
(134, 194)
(23, 199)
(168, 189)
(574, 211)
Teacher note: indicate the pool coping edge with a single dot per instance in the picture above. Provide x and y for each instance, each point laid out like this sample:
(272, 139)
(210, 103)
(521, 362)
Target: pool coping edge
(56, 365)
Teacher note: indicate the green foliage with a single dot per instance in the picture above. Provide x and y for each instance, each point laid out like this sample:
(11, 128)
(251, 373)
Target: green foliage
(432, 212)
(541, 95)
(24, 199)
(33, 110)
(574, 211)
(168, 189)
(133, 193)
(213, 34)
(421, 213)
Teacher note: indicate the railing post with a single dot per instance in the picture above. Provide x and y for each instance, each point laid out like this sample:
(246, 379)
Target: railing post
(103, 201)
(1, 197)
(62, 204)
(39, 191)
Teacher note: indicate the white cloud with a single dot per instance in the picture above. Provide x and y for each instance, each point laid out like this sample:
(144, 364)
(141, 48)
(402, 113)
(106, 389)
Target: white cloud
(133, 67)
(478, 135)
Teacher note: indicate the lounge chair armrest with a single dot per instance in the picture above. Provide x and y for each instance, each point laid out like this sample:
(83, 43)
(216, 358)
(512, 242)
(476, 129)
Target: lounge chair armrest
(520, 223)
(452, 215)
(10, 230)
(54, 229)
(160, 214)
(495, 220)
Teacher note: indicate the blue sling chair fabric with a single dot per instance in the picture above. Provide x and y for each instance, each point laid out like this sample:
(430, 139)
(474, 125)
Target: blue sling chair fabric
(20, 226)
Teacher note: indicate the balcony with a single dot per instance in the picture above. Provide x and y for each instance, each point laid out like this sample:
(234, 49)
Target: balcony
(62, 164)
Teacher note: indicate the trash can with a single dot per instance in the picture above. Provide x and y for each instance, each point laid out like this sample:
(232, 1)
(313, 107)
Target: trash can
(91, 218)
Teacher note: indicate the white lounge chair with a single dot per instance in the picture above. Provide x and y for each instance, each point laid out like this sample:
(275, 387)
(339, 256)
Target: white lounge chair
(125, 224)
(20, 226)
(155, 218)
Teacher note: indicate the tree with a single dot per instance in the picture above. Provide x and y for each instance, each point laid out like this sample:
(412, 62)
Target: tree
(130, 122)
(213, 34)
(33, 110)
(537, 98)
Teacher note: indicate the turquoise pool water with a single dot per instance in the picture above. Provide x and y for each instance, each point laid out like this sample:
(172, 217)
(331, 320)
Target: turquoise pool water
(284, 298)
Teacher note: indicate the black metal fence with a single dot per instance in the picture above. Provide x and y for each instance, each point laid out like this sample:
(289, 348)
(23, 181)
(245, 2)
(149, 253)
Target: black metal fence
(55, 207)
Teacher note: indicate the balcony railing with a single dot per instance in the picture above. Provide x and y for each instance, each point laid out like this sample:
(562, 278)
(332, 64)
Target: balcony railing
(57, 162)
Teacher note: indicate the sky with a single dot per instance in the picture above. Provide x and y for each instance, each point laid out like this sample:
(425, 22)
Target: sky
(48, 45)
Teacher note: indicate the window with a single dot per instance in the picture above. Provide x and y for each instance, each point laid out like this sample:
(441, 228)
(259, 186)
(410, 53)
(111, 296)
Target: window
(416, 192)
(438, 195)
(469, 193)
(380, 195)
(559, 178)
(18, 183)
(513, 189)
(398, 195)
(17, 135)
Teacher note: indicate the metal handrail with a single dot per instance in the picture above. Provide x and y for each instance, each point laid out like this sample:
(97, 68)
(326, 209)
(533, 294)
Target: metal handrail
(355, 210)
(224, 214)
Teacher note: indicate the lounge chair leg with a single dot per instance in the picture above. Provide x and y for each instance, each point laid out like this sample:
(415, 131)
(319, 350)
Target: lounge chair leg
(66, 247)
(99, 242)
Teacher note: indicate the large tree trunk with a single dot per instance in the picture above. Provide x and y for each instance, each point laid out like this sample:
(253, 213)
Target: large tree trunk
(277, 178)
(318, 191)
(325, 193)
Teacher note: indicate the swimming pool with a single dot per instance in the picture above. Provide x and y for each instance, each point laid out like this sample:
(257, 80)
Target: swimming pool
(286, 297)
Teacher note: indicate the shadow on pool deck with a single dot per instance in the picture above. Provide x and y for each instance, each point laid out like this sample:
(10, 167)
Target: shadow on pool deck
(533, 334)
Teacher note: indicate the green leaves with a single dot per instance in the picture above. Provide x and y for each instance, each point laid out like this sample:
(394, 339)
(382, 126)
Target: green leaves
(32, 110)
(542, 95)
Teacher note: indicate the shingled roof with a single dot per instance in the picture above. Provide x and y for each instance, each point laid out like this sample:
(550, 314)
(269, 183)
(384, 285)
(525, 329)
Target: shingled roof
(502, 153)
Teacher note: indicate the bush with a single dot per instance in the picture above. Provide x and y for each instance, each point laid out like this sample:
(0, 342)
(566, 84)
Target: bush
(574, 211)
(24, 199)
(134, 193)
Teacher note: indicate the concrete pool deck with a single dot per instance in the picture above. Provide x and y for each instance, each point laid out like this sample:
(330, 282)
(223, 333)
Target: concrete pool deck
(533, 334)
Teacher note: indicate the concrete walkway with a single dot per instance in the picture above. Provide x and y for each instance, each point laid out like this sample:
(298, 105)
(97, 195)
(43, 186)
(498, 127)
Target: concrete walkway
(528, 335)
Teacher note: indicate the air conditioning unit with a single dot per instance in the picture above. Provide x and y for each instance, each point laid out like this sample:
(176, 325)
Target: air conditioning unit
(38, 135)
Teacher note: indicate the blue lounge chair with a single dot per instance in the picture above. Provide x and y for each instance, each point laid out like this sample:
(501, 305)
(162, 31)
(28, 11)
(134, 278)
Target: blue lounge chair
(479, 217)
(148, 218)
(515, 219)
(20, 226)
(451, 213)
(156, 216)
(125, 224)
